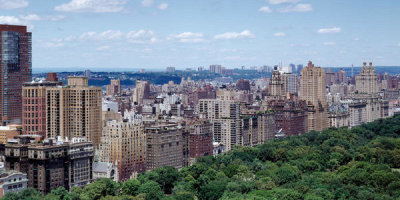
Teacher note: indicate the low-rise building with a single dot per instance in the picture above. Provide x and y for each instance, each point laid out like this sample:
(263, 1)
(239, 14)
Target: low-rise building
(12, 181)
(9, 132)
(105, 170)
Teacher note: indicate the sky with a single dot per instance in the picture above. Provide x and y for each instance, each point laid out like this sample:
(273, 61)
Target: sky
(153, 34)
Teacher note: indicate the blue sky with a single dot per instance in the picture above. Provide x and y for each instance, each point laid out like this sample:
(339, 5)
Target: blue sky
(150, 34)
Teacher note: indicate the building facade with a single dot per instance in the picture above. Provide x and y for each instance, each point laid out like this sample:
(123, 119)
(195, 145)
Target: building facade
(74, 110)
(52, 163)
(312, 90)
(12, 181)
(15, 69)
(367, 80)
(277, 83)
(164, 146)
(114, 88)
(34, 107)
(124, 143)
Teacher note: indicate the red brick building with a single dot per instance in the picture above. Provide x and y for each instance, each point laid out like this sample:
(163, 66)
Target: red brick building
(290, 116)
(34, 105)
(200, 140)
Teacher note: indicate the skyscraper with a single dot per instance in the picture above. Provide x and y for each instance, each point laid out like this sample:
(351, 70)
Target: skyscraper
(141, 91)
(15, 68)
(312, 90)
(367, 80)
(114, 88)
(277, 84)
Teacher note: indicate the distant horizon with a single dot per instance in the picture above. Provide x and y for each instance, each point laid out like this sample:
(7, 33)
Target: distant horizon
(80, 69)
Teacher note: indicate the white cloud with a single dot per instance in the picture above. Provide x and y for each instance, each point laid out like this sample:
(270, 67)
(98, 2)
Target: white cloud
(329, 30)
(16, 21)
(280, 34)
(147, 3)
(10, 20)
(356, 39)
(35, 17)
(265, 9)
(56, 43)
(276, 2)
(140, 36)
(103, 48)
(95, 6)
(329, 43)
(187, 37)
(296, 8)
(162, 6)
(398, 44)
(31, 17)
(234, 35)
(13, 4)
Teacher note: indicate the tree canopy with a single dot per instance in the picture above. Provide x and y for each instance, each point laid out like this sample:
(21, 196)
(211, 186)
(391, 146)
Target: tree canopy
(337, 163)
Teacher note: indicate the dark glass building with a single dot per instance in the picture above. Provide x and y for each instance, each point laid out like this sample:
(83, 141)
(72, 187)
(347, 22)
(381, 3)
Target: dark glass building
(15, 69)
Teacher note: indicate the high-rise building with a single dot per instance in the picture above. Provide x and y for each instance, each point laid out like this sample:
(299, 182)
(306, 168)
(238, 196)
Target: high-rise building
(215, 69)
(200, 140)
(15, 69)
(114, 88)
(277, 84)
(124, 143)
(142, 91)
(243, 85)
(34, 107)
(291, 83)
(312, 90)
(224, 113)
(292, 67)
(216, 108)
(367, 80)
(227, 131)
(299, 68)
(164, 146)
(340, 77)
(290, 117)
(74, 110)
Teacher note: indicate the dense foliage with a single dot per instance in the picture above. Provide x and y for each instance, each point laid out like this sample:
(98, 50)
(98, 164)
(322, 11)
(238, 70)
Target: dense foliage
(361, 163)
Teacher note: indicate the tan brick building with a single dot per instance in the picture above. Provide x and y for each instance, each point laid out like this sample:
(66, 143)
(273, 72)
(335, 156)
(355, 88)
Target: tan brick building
(74, 110)
(313, 91)
(367, 80)
(124, 143)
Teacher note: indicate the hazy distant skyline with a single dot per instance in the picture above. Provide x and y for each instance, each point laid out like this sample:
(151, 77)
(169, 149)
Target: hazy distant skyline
(153, 34)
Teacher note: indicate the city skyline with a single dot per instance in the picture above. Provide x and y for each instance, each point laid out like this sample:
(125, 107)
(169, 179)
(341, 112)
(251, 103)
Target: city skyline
(154, 34)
